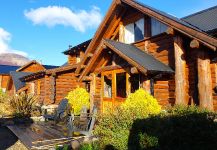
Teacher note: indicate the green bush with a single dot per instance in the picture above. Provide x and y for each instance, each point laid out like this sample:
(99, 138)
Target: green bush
(89, 146)
(22, 104)
(178, 128)
(77, 99)
(113, 128)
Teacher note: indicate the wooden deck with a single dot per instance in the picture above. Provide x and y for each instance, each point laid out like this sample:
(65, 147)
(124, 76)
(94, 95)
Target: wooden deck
(42, 135)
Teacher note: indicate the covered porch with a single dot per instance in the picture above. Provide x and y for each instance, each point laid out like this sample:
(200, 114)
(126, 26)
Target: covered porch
(117, 69)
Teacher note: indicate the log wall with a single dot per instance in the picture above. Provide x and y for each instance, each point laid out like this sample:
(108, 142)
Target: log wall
(162, 48)
(214, 84)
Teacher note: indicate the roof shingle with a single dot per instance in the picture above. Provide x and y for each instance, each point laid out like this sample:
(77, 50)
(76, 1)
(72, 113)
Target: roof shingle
(205, 20)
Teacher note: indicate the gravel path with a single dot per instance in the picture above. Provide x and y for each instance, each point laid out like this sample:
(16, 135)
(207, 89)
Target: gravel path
(8, 141)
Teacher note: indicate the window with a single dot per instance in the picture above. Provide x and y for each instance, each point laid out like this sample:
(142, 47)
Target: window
(157, 27)
(121, 85)
(135, 82)
(134, 32)
(108, 86)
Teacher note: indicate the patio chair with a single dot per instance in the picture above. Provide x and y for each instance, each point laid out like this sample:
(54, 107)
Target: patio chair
(60, 112)
(84, 123)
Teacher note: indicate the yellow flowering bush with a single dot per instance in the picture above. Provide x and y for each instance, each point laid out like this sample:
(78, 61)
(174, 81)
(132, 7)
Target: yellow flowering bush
(77, 99)
(114, 128)
(141, 104)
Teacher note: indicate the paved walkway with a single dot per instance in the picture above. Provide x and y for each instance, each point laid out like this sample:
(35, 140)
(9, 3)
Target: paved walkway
(8, 141)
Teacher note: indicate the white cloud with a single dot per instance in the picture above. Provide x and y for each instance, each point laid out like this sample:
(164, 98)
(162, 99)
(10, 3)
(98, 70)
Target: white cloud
(5, 38)
(55, 15)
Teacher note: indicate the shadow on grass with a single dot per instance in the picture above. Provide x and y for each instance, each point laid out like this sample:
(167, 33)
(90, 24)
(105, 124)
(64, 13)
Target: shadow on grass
(7, 137)
(195, 131)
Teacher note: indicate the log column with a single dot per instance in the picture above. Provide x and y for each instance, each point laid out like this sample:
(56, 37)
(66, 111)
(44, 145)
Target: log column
(121, 32)
(53, 88)
(180, 72)
(92, 90)
(204, 80)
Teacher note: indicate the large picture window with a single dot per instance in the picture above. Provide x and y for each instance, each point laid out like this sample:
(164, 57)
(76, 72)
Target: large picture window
(134, 32)
(157, 27)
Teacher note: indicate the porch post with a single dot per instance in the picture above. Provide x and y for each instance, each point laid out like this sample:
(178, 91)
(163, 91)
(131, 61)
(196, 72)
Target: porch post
(92, 91)
(204, 80)
(180, 73)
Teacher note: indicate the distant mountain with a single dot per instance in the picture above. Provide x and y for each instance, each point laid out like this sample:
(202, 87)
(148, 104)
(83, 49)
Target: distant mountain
(13, 59)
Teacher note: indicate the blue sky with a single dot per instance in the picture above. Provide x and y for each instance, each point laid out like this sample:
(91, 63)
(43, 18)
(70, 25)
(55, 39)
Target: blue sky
(37, 29)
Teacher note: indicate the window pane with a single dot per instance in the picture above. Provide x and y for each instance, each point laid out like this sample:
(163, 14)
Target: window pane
(129, 33)
(139, 30)
(108, 86)
(135, 82)
(121, 85)
(157, 27)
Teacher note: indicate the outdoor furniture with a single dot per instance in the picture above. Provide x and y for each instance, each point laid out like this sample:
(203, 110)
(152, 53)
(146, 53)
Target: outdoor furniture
(60, 112)
(84, 123)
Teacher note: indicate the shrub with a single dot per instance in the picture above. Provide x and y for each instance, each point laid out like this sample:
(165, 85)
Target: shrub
(141, 104)
(89, 146)
(177, 128)
(5, 109)
(113, 128)
(77, 99)
(22, 104)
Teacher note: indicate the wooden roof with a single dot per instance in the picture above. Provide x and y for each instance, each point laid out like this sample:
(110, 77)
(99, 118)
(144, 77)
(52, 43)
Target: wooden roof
(41, 74)
(133, 55)
(118, 6)
(35, 62)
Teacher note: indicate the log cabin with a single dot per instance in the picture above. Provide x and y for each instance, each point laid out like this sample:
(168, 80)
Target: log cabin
(5, 78)
(137, 46)
(27, 69)
(56, 83)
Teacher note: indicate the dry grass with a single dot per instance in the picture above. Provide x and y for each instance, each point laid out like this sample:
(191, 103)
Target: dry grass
(5, 108)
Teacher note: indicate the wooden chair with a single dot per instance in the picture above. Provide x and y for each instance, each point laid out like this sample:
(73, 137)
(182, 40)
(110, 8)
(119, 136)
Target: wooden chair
(60, 112)
(84, 123)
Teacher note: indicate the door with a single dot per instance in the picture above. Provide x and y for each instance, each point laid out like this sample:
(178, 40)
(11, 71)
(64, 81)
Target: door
(115, 88)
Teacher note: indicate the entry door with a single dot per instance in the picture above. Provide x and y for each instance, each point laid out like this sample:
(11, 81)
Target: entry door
(115, 88)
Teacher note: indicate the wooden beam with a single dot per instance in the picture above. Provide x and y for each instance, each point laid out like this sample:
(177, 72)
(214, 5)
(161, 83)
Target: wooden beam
(180, 73)
(83, 66)
(87, 78)
(147, 27)
(134, 70)
(89, 55)
(194, 44)
(107, 68)
(121, 32)
(170, 31)
(53, 89)
(204, 80)
(104, 29)
(92, 90)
